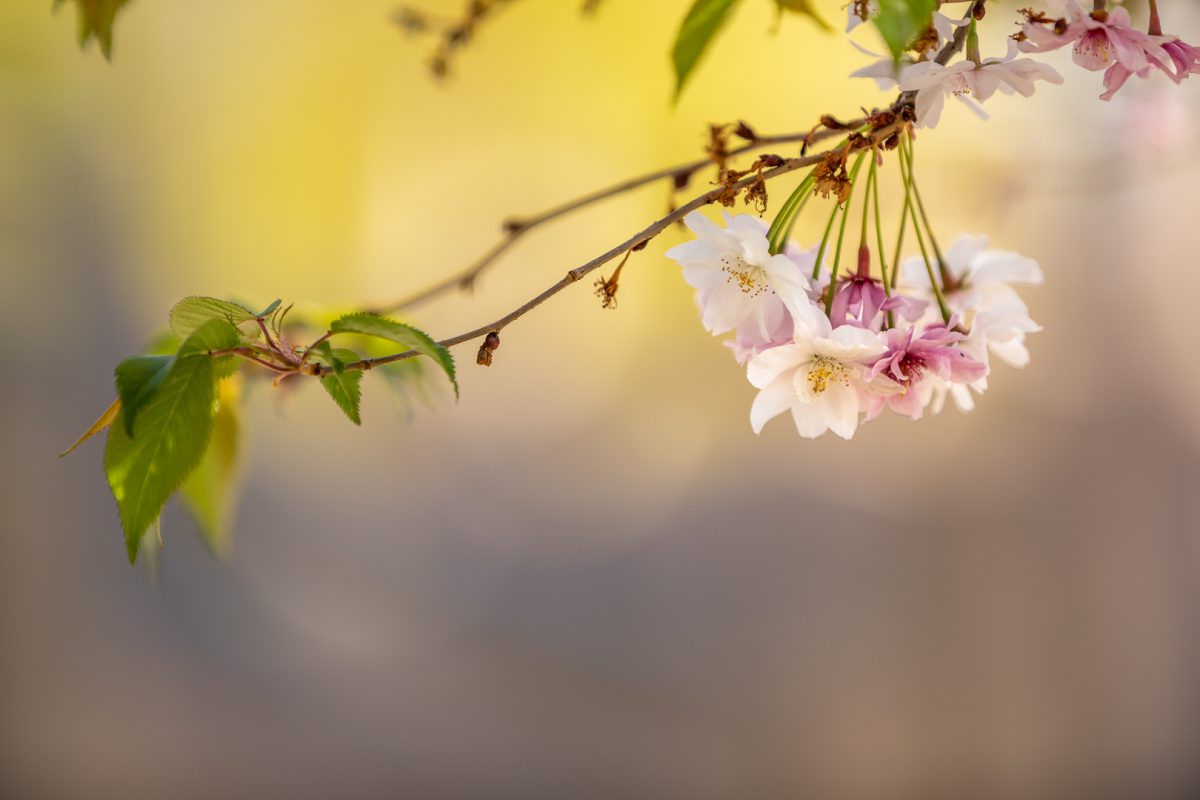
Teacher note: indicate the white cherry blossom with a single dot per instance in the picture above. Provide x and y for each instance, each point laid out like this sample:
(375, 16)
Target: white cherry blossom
(818, 377)
(738, 283)
(971, 82)
(983, 295)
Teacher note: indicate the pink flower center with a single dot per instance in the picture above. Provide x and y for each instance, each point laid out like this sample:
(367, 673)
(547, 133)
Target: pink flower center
(1094, 51)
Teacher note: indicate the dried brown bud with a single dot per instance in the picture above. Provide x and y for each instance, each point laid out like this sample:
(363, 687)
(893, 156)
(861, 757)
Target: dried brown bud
(718, 145)
(926, 42)
(727, 180)
(744, 131)
(606, 288)
(831, 177)
(756, 193)
(491, 343)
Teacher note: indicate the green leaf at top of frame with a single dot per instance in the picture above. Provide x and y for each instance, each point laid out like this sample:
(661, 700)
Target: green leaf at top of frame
(901, 21)
(95, 20)
(171, 434)
(192, 312)
(703, 21)
(403, 335)
(805, 9)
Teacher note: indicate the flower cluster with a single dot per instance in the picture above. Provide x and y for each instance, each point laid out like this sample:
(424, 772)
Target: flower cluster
(1106, 40)
(1101, 39)
(837, 355)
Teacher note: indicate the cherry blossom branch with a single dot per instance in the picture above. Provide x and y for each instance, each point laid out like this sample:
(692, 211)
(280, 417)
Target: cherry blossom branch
(515, 228)
(636, 241)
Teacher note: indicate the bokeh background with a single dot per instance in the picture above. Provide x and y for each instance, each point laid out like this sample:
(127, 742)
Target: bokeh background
(588, 578)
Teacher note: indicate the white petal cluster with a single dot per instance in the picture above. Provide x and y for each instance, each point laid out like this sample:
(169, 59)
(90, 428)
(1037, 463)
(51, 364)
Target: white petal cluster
(899, 354)
(738, 283)
(972, 83)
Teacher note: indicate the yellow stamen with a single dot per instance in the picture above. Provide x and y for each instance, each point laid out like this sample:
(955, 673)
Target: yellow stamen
(750, 279)
(825, 371)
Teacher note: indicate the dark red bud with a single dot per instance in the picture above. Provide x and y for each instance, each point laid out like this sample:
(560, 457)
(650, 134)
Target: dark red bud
(864, 262)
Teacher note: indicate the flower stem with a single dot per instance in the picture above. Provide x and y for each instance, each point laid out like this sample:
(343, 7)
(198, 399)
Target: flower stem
(933, 281)
(789, 212)
(785, 220)
(947, 279)
(862, 239)
(837, 252)
(903, 224)
(1155, 23)
(816, 273)
(973, 44)
(883, 269)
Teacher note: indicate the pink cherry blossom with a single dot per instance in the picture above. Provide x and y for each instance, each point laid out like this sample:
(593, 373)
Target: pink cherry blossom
(1106, 40)
(909, 359)
(1186, 58)
(859, 297)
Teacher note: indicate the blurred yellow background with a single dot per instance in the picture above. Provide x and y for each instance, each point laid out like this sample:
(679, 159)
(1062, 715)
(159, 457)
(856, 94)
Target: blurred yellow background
(588, 578)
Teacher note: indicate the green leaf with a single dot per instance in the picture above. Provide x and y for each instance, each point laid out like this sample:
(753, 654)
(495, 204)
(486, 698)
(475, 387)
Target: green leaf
(266, 312)
(401, 334)
(344, 387)
(804, 8)
(698, 29)
(192, 312)
(138, 379)
(172, 434)
(95, 21)
(164, 343)
(901, 21)
(210, 490)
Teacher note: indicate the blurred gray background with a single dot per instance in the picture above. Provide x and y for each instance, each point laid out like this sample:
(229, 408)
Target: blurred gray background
(588, 578)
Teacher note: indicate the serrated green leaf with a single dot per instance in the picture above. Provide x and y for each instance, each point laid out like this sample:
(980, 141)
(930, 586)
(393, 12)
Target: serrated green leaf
(172, 434)
(704, 19)
(901, 21)
(192, 312)
(346, 390)
(95, 21)
(403, 335)
(138, 379)
(209, 492)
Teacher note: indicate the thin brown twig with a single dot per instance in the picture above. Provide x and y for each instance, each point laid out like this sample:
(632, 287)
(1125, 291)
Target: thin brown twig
(249, 354)
(518, 227)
